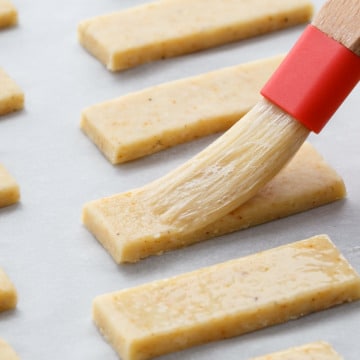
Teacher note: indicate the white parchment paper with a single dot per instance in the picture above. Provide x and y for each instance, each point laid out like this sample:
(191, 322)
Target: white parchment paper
(57, 265)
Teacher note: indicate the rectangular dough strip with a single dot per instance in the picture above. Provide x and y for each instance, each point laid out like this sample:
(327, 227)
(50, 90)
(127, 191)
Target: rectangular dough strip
(8, 14)
(162, 116)
(163, 29)
(9, 189)
(319, 350)
(8, 294)
(227, 299)
(127, 227)
(11, 95)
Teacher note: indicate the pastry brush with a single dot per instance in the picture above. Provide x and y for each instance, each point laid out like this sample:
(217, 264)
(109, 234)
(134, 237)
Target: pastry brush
(302, 95)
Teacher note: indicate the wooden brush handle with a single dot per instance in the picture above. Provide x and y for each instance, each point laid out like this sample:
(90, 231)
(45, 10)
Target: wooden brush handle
(322, 68)
(340, 19)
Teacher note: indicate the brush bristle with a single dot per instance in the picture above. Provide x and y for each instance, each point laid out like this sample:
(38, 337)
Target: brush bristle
(229, 171)
(340, 19)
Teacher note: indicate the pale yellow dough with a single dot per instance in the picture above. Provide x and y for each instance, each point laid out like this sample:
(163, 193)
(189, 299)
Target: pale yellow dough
(11, 95)
(9, 189)
(159, 117)
(6, 352)
(8, 294)
(314, 351)
(227, 299)
(164, 29)
(127, 227)
(8, 14)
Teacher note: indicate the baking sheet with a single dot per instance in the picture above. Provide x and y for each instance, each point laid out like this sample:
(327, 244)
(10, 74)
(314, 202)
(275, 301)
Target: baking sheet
(57, 265)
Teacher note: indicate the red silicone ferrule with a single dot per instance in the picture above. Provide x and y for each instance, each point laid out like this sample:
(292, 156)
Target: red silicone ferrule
(314, 79)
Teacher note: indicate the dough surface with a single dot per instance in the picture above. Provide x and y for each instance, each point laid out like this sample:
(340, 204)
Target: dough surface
(227, 299)
(8, 14)
(314, 351)
(127, 227)
(8, 295)
(9, 189)
(11, 96)
(159, 117)
(163, 29)
(6, 352)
